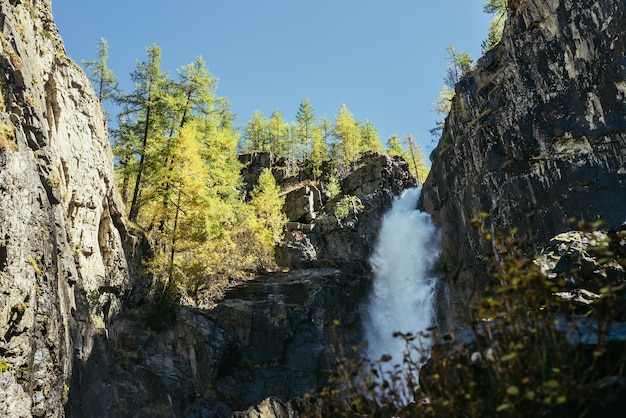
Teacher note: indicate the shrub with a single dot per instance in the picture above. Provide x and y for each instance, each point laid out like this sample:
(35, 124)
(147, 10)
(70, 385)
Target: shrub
(348, 204)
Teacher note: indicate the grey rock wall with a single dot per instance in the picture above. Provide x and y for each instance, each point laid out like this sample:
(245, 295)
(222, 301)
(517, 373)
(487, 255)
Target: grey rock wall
(63, 239)
(536, 135)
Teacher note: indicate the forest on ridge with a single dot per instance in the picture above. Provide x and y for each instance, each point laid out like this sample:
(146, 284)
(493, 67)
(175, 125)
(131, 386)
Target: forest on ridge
(176, 158)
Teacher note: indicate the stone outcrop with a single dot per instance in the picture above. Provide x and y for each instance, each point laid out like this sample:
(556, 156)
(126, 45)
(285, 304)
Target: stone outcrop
(536, 135)
(64, 244)
(318, 234)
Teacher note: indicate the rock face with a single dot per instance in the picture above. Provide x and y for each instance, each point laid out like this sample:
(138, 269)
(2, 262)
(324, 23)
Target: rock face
(269, 337)
(537, 133)
(64, 244)
(320, 235)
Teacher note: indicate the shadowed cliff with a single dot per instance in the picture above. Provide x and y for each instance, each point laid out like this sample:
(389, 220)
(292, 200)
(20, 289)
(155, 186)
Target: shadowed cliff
(536, 134)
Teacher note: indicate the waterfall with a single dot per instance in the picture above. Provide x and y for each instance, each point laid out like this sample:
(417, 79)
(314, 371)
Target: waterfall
(403, 287)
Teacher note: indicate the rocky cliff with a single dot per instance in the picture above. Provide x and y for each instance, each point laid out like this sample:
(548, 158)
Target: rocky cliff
(64, 245)
(536, 135)
(332, 231)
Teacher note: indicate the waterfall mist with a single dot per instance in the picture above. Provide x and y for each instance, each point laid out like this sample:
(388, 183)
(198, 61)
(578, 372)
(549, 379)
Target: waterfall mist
(402, 294)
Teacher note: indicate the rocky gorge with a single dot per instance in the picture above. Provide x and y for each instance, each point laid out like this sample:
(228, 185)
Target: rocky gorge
(75, 338)
(536, 135)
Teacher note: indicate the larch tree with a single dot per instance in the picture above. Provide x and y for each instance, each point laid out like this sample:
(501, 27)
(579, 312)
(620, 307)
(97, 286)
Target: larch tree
(142, 124)
(268, 203)
(191, 98)
(498, 9)
(370, 140)
(278, 133)
(319, 151)
(458, 64)
(182, 214)
(394, 147)
(101, 76)
(305, 119)
(255, 137)
(415, 158)
(346, 130)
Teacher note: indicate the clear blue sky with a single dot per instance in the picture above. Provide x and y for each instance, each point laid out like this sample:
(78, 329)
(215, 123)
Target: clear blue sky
(383, 59)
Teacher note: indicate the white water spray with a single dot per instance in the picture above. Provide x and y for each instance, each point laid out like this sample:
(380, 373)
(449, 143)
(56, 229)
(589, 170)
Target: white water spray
(402, 294)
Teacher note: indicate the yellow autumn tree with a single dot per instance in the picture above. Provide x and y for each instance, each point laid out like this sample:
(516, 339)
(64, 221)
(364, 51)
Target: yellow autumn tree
(268, 204)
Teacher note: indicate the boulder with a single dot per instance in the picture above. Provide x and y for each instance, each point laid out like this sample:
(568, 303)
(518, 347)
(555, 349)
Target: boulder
(303, 204)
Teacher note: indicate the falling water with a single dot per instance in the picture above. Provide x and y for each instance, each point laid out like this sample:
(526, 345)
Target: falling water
(402, 295)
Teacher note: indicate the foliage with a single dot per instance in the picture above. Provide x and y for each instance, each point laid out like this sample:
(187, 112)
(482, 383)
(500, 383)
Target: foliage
(370, 141)
(333, 188)
(278, 134)
(319, 151)
(101, 76)
(498, 9)
(348, 205)
(346, 130)
(459, 64)
(7, 137)
(268, 203)
(305, 129)
(413, 156)
(179, 174)
(527, 351)
(4, 366)
(255, 134)
(320, 140)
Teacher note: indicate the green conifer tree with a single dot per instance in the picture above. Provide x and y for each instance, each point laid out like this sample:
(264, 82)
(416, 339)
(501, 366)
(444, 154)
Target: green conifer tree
(305, 119)
(143, 125)
(278, 133)
(256, 138)
(101, 76)
(370, 141)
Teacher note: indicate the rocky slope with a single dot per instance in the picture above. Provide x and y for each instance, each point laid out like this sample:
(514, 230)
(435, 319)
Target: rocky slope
(536, 135)
(64, 245)
(316, 236)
